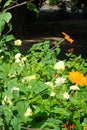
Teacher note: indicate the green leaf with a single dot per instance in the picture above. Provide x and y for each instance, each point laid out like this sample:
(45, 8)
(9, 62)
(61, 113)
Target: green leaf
(1, 121)
(21, 106)
(9, 38)
(0, 1)
(2, 22)
(31, 6)
(3, 77)
(16, 123)
(7, 17)
(38, 87)
(7, 3)
(8, 115)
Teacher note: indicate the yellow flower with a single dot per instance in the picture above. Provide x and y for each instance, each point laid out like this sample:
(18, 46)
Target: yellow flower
(18, 42)
(78, 78)
(67, 37)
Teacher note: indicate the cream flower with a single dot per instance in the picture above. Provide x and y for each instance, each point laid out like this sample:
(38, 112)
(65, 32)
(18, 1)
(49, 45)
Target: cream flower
(17, 60)
(59, 65)
(18, 55)
(28, 112)
(24, 58)
(59, 81)
(28, 78)
(52, 94)
(7, 100)
(14, 89)
(66, 95)
(18, 42)
(74, 87)
(49, 84)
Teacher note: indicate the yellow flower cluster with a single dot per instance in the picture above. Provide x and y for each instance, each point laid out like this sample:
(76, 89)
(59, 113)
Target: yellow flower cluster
(67, 37)
(78, 78)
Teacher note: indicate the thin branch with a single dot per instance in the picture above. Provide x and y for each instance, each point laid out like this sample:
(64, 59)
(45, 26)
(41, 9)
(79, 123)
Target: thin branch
(17, 5)
(25, 128)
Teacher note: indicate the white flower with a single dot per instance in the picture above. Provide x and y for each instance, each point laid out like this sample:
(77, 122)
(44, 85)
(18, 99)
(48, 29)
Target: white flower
(2, 57)
(52, 94)
(17, 60)
(49, 84)
(74, 87)
(14, 89)
(28, 112)
(7, 100)
(66, 95)
(59, 65)
(17, 42)
(18, 55)
(28, 78)
(59, 81)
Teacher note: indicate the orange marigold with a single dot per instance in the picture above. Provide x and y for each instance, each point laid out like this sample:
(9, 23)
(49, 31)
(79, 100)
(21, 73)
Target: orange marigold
(85, 127)
(78, 78)
(67, 37)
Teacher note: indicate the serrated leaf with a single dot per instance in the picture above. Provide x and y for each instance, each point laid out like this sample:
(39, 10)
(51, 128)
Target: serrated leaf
(16, 123)
(8, 116)
(38, 87)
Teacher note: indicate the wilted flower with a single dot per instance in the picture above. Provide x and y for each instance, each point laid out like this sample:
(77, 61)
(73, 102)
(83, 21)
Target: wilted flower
(59, 81)
(66, 95)
(74, 87)
(7, 100)
(59, 65)
(17, 42)
(18, 55)
(28, 112)
(52, 94)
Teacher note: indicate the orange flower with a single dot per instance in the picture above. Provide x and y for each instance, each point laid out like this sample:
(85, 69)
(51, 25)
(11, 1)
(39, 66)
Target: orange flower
(67, 37)
(78, 78)
(85, 127)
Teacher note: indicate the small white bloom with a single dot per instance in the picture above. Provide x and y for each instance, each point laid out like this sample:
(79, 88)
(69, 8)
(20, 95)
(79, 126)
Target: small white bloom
(66, 95)
(7, 100)
(2, 57)
(28, 112)
(14, 89)
(49, 84)
(59, 65)
(18, 55)
(12, 75)
(17, 60)
(74, 87)
(59, 81)
(28, 78)
(17, 42)
(52, 94)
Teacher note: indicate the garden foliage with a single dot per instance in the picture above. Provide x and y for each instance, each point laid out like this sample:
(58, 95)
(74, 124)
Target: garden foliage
(38, 90)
